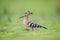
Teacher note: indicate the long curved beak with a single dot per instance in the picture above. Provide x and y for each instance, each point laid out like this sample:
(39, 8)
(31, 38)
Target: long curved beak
(21, 17)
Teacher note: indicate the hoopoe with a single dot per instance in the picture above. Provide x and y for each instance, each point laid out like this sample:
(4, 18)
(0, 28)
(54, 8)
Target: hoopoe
(28, 23)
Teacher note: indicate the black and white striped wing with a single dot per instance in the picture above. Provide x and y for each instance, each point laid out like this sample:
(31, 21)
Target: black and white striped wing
(31, 24)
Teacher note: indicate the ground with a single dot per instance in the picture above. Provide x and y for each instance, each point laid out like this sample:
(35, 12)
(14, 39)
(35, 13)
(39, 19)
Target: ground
(44, 13)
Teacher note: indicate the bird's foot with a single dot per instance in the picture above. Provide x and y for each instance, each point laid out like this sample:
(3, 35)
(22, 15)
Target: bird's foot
(27, 29)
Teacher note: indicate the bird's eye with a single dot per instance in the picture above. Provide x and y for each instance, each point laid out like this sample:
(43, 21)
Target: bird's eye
(25, 15)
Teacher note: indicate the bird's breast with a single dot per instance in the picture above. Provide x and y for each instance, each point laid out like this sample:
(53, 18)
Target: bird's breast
(25, 21)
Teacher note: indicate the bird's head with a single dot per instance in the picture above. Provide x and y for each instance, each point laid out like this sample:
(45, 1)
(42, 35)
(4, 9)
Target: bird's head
(26, 14)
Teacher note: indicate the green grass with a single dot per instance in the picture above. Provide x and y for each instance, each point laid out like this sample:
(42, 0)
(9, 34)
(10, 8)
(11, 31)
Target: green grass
(44, 13)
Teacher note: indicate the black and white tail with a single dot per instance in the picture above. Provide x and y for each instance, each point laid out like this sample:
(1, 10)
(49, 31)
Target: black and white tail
(33, 25)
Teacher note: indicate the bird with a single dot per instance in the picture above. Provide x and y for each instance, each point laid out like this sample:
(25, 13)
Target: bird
(28, 23)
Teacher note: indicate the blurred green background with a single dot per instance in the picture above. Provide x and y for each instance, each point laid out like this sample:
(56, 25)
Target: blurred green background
(45, 12)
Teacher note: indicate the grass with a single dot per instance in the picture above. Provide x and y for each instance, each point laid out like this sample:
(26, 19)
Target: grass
(12, 28)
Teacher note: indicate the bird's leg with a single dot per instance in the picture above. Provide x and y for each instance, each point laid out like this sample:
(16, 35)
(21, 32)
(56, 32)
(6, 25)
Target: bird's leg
(32, 28)
(27, 28)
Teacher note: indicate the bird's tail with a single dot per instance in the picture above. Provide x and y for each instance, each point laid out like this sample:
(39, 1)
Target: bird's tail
(42, 27)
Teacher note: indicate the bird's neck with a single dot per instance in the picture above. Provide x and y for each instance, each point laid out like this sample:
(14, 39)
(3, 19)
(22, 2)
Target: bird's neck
(25, 21)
